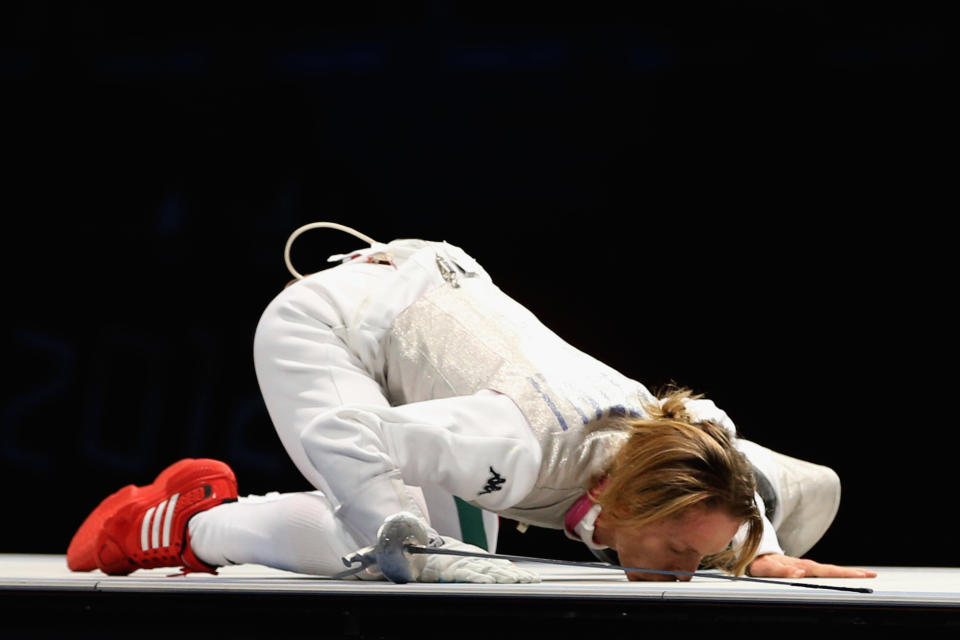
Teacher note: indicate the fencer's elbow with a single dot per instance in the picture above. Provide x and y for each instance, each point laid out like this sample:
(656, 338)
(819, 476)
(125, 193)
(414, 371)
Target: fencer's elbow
(518, 480)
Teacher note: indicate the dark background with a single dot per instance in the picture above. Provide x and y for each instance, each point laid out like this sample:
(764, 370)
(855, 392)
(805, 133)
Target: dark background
(747, 200)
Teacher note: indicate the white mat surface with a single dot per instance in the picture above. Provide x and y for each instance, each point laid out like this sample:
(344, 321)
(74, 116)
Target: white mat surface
(904, 586)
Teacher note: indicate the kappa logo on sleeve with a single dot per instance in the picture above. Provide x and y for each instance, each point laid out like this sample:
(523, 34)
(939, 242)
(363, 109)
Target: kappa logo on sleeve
(495, 483)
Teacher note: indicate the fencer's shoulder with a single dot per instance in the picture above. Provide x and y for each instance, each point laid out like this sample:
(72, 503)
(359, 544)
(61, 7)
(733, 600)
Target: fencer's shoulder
(464, 260)
(426, 253)
(703, 409)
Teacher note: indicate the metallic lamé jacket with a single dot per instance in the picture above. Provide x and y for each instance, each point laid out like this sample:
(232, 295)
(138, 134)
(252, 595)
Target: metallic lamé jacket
(465, 334)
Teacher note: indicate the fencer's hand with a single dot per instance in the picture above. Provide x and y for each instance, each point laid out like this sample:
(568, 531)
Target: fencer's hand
(776, 565)
(440, 568)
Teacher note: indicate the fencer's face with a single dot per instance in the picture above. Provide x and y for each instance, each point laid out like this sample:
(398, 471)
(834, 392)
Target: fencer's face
(678, 543)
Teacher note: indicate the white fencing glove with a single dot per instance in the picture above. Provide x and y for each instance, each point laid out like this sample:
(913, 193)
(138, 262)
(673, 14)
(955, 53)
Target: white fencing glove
(443, 568)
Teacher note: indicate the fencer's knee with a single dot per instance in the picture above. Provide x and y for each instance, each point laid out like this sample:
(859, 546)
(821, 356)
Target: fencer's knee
(308, 510)
(307, 535)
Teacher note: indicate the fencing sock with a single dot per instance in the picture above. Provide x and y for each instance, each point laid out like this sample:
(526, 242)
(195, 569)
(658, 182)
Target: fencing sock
(293, 531)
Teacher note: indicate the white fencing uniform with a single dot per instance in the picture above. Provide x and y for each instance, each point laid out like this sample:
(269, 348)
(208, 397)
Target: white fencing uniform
(405, 377)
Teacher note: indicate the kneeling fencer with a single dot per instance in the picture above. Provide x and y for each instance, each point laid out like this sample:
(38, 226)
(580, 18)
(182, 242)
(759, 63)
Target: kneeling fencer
(403, 381)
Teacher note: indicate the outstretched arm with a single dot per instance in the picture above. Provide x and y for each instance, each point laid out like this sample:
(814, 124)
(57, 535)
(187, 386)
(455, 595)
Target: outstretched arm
(777, 565)
(771, 562)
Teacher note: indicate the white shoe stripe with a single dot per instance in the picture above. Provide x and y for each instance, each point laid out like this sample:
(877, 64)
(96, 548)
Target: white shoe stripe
(156, 525)
(168, 519)
(144, 528)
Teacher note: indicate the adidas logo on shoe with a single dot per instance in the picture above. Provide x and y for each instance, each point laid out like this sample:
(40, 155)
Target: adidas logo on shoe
(146, 527)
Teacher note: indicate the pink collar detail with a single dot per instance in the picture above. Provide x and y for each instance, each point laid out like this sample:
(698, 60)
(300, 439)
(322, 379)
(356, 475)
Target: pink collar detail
(581, 507)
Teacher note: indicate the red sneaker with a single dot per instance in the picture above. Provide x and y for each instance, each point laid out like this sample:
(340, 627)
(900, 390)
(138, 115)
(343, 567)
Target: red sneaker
(146, 527)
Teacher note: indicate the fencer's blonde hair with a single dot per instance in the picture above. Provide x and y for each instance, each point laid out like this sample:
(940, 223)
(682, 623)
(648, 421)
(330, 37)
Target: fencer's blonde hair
(670, 463)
